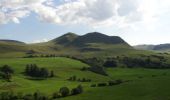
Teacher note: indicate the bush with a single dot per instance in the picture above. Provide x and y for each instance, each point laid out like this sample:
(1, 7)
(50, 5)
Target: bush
(98, 70)
(80, 88)
(93, 85)
(64, 91)
(111, 83)
(77, 90)
(84, 69)
(116, 82)
(119, 81)
(6, 72)
(101, 84)
(55, 95)
(110, 63)
(6, 69)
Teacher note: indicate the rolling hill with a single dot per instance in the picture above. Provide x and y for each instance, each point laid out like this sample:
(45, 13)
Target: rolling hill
(90, 44)
(95, 47)
(160, 47)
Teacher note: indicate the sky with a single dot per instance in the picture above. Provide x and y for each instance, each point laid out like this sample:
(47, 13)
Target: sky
(136, 21)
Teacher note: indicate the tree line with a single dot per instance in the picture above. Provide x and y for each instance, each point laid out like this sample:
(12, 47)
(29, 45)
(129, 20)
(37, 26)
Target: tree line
(63, 92)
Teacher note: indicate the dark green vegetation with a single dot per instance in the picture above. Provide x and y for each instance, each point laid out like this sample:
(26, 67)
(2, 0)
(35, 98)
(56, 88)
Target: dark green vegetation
(89, 67)
(34, 71)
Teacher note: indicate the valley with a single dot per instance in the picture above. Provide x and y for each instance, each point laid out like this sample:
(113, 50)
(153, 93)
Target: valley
(102, 67)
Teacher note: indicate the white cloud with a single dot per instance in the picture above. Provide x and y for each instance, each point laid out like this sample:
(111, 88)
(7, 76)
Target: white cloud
(40, 41)
(96, 13)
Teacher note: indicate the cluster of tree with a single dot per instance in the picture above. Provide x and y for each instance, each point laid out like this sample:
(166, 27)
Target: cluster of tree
(34, 54)
(84, 69)
(6, 72)
(146, 63)
(34, 71)
(63, 92)
(42, 56)
(110, 83)
(74, 78)
(110, 63)
(98, 70)
(96, 64)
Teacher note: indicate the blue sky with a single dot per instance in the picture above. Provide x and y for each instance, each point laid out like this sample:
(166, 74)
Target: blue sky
(136, 21)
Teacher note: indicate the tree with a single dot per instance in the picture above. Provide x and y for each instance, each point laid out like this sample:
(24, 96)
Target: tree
(110, 63)
(77, 90)
(80, 88)
(43, 72)
(74, 78)
(6, 72)
(6, 69)
(64, 91)
(7, 76)
(34, 71)
(52, 74)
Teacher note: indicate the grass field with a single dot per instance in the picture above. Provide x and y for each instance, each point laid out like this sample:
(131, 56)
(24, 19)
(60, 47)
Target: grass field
(144, 84)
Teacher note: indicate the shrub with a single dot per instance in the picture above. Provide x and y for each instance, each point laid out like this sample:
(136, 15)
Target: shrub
(77, 90)
(110, 63)
(84, 69)
(101, 84)
(111, 83)
(119, 81)
(64, 91)
(80, 88)
(6, 69)
(55, 95)
(93, 85)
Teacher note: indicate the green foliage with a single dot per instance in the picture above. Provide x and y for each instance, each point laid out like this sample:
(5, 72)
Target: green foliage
(6, 72)
(110, 63)
(64, 91)
(77, 90)
(34, 71)
(6, 69)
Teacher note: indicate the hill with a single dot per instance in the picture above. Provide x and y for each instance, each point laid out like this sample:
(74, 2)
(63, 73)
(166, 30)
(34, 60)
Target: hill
(11, 41)
(71, 39)
(12, 48)
(86, 57)
(96, 37)
(90, 44)
(138, 80)
(160, 47)
(65, 39)
(144, 47)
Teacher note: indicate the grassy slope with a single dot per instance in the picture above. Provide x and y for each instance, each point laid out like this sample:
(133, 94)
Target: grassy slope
(146, 88)
(8, 50)
(63, 67)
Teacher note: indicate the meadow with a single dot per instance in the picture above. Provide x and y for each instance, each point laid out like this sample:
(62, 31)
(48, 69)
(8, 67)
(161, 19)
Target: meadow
(142, 84)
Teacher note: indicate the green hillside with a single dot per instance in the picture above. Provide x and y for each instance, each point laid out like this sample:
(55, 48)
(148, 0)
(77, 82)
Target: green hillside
(88, 60)
(88, 45)
(137, 86)
(62, 67)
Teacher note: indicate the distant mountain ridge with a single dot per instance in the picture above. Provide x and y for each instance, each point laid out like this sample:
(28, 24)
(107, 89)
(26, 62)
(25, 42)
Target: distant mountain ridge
(160, 47)
(11, 41)
(144, 47)
(90, 44)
